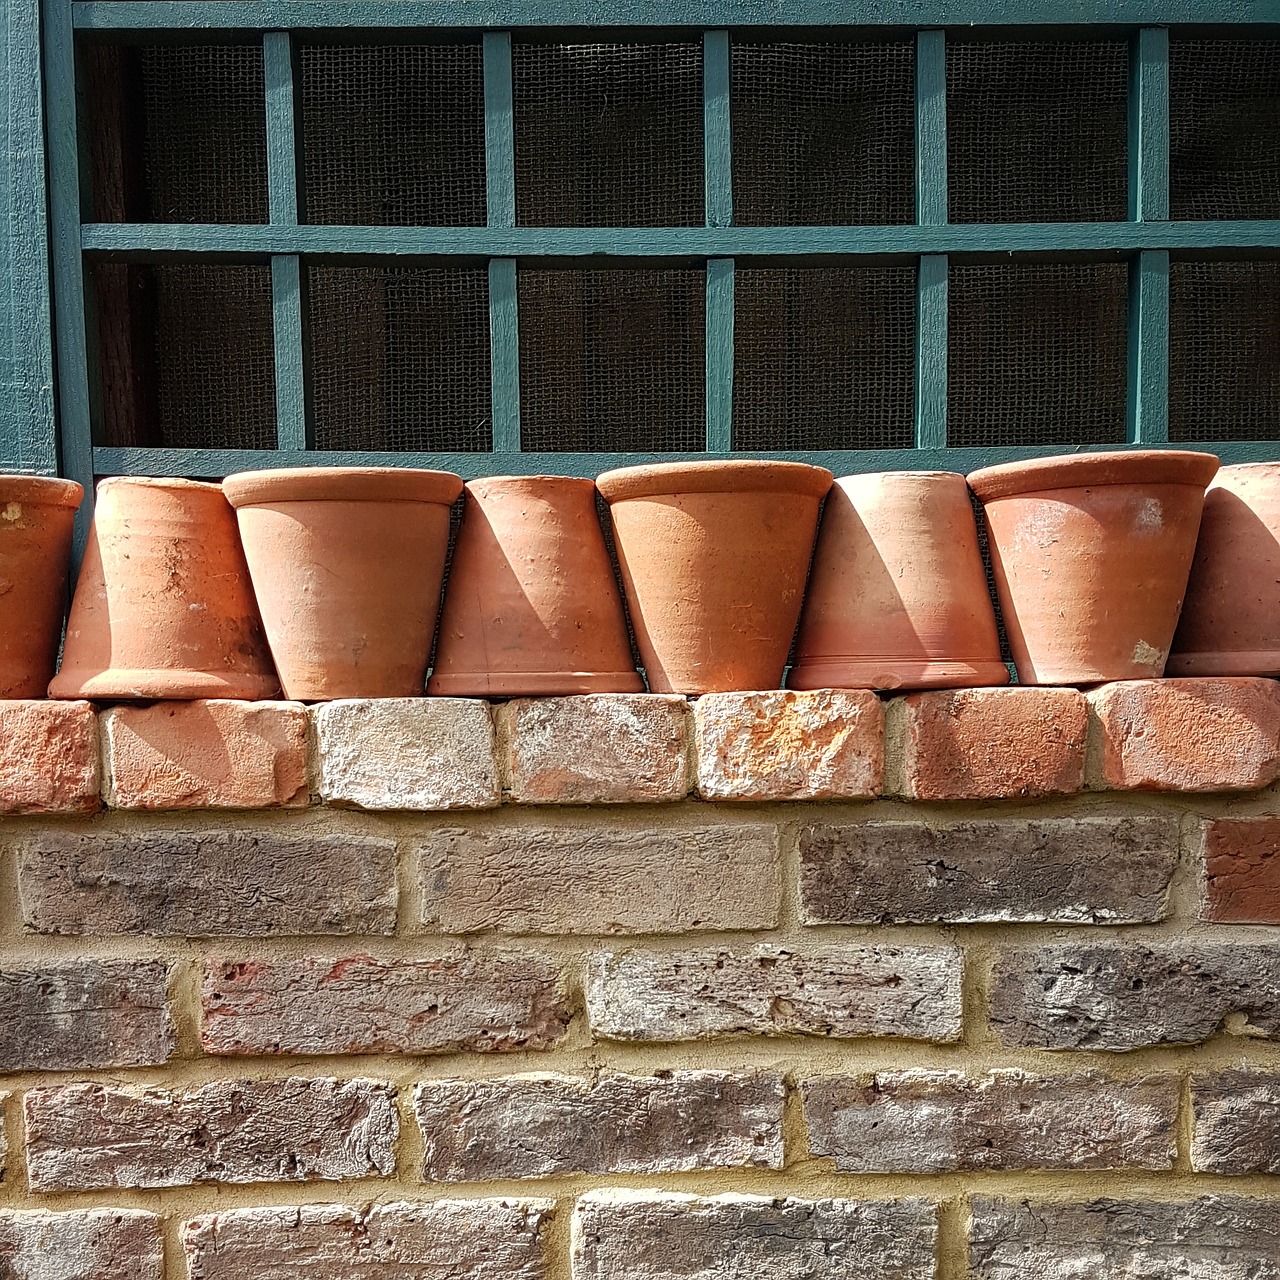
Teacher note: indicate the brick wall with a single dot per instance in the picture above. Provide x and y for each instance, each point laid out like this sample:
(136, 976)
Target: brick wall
(622, 988)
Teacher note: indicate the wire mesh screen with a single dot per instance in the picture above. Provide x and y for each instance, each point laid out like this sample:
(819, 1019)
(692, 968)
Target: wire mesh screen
(612, 361)
(400, 358)
(823, 134)
(186, 357)
(1036, 354)
(824, 358)
(1224, 351)
(1224, 128)
(393, 135)
(177, 133)
(1037, 132)
(608, 135)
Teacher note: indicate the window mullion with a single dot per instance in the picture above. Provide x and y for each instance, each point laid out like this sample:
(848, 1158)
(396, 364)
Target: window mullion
(717, 151)
(500, 195)
(931, 210)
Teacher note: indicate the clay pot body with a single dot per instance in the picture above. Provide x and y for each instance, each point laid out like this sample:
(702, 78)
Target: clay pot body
(714, 557)
(1091, 555)
(532, 606)
(1230, 622)
(37, 514)
(897, 597)
(347, 564)
(163, 607)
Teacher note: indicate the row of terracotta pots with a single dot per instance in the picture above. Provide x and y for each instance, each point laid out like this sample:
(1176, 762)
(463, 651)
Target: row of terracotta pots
(330, 579)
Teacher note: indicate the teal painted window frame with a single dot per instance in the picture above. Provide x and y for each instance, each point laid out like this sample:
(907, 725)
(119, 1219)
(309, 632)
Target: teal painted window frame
(1146, 240)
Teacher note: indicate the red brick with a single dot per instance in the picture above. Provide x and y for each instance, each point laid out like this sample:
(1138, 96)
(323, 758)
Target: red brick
(211, 754)
(994, 744)
(1189, 735)
(1242, 870)
(48, 757)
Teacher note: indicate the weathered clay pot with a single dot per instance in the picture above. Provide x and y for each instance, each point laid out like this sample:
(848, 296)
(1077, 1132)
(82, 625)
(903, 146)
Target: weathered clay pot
(163, 607)
(36, 518)
(897, 596)
(347, 563)
(532, 606)
(1091, 555)
(1230, 622)
(714, 557)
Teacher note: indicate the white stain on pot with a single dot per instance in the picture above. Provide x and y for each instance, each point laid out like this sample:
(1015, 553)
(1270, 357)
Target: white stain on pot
(1149, 517)
(1147, 655)
(12, 512)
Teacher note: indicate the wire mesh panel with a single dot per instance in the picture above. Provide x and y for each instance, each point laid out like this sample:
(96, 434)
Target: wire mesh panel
(1224, 128)
(823, 134)
(177, 133)
(1036, 354)
(393, 135)
(612, 361)
(1224, 351)
(824, 358)
(608, 135)
(400, 358)
(1037, 131)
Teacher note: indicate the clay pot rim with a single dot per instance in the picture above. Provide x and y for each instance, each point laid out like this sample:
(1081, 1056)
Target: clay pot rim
(900, 475)
(341, 484)
(1242, 468)
(41, 491)
(516, 482)
(159, 482)
(1090, 470)
(742, 475)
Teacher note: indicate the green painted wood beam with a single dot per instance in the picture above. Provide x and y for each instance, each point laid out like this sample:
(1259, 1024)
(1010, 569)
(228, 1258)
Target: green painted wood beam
(1149, 126)
(1148, 408)
(719, 354)
(504, 355)
(931, 352)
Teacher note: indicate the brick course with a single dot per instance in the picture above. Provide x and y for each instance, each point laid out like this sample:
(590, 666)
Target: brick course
(1237, 1122)
(87, 1244)
(1242, 870)
(48, 757)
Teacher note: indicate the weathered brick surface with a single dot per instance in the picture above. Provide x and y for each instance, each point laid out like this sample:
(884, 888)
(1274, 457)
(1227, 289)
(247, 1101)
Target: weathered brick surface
(779, 745)
(535, 1126)
(842, 992)
(212, 754)
(1213, 1238)
(936, 1121)
(207, 883)
(1069, 870)
(651, 1236)
(1242, 870)
(89, 1244)
(603, 878)
(1189, 735)
(1125, 995)
(994, 744)
(81, 1136)
(1237, 1122)
(48, 757)
(84, 1014)
(474, 1001)
(406, 753)
(440, 1240)
(603, 748)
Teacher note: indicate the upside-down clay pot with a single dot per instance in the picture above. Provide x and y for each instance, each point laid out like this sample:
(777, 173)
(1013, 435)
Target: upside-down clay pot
(714, 557)
(37, 514)
(532, 606)
(163, 607)
(1230, 623)
(898, 596)
(1091, 555)
(347, 564)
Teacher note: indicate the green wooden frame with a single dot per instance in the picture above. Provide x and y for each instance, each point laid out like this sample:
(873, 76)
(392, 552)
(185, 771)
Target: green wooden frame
(1146, 240)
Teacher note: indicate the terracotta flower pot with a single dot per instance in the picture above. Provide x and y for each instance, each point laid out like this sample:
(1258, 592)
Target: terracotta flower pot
(36, 518)
(532, 606)
(1230, 622)
(714, 557)
(347, 563)
(898, 596)
(163, 607)
(1091, 555)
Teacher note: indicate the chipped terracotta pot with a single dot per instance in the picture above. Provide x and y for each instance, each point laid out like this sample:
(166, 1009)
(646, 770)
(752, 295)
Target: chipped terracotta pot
(532, 606)
(163, 607)
(37, 514)
(1230, 623)
(347, 564)
(1091, 555)
(714, 557)
(897, 596)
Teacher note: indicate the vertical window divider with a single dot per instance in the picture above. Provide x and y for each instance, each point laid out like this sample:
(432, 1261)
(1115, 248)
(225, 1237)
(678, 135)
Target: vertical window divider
(500, 198)
(717, 151)
(931, 271)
